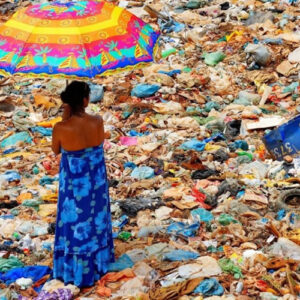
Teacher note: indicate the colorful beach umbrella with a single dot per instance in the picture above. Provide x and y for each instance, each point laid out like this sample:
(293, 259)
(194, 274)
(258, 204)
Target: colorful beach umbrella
(83, 39)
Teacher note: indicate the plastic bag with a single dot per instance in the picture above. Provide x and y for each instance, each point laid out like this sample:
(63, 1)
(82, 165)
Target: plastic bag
(225, 219)
(144, 90)
(121, 264)
(183, 229)
(128, 141)
(97, 93)
(142, 173)
(202, 215)
(193, 145)
(209, 287)
(213, 58)
(180, 255)
(43, 131)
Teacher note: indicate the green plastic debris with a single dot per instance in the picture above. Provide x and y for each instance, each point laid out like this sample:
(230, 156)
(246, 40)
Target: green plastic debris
(216, 125)
(222, 39)
(32, 203)
(35, 170)
(194, 4)
(228, 266)
(124, 236)
(242, 101)
(225, 219)
(16, 236)
(194, 110)
(126, 114)
(213, 249)
(212, 59)
(14, 212)
(168, 52)
(203, 121)
(7, 264)
(212, 105)
(244, 153)
(186, 70)
(291, 88)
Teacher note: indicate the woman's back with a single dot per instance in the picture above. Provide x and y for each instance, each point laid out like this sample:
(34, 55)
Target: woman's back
(80, 132)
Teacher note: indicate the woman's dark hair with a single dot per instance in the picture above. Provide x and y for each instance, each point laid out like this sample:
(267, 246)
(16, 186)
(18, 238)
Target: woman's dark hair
(74, 94)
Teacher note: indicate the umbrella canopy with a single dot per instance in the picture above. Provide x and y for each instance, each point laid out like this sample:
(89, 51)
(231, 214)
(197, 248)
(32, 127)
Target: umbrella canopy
(81, 39)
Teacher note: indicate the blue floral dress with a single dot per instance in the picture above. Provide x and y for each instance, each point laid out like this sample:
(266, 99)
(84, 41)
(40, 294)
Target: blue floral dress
(83, 239)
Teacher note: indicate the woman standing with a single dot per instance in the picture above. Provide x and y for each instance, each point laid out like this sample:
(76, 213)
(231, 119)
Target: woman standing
(83, 239)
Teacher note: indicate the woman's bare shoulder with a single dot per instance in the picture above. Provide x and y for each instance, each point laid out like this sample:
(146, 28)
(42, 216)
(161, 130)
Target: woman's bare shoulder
(96, 118)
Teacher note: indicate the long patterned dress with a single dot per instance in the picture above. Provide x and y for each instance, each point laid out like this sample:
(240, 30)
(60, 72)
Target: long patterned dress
(83, 239)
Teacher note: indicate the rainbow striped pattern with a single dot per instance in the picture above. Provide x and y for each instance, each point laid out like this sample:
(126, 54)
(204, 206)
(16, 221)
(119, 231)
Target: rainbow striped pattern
(83, 39)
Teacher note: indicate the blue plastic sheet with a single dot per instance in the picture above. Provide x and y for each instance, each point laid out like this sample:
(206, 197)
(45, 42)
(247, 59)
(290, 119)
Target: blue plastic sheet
(97, 92)
(180, 255)
(144, 90)
(170, 73)
(209, 287)
(193, 145)
(142, 173)
(42, 130)
(15, 138)
(202, 215)
(121, 264)
(33, 272)
(12, 176)
(183, 229)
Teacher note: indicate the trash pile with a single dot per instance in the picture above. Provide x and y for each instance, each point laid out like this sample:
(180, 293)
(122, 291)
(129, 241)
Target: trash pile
(202, 161)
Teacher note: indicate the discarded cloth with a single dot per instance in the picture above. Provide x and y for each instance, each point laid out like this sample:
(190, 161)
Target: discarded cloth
(104, 291)
(33, 272)
(83, 245)
(60, 294)
(174, 291)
